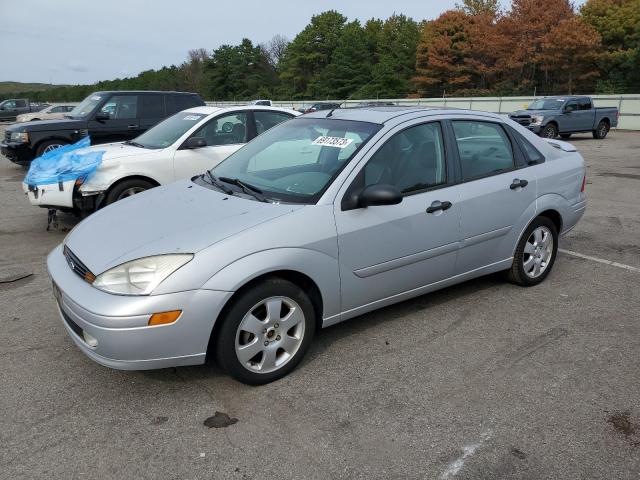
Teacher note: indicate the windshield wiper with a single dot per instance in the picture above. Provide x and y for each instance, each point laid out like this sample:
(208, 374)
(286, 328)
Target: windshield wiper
(214, 181)
(247, 188)
(134, 144)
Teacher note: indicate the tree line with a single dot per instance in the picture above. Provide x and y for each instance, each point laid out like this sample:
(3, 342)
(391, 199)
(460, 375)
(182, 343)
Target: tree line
(536, 46)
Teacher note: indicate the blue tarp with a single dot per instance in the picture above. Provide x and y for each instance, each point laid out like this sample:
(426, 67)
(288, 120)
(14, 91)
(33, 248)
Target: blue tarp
(64, 164)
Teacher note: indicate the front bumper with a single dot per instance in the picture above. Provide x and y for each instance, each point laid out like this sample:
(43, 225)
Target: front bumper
(55, 195)
(119, 323)
(534, 128)
(19, 153)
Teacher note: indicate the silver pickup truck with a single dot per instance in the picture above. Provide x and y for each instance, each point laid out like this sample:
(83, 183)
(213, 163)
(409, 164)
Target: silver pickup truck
(553, 116)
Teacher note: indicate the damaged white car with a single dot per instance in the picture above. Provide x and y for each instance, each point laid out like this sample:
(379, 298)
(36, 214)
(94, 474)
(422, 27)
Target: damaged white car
(182, 146)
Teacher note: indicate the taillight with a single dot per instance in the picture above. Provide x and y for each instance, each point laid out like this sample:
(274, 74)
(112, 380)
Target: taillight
(584, 183)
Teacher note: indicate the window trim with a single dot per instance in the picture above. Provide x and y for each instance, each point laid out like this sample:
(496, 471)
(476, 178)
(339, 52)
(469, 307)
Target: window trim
(516, 154)
(346, 203)
(519, 140)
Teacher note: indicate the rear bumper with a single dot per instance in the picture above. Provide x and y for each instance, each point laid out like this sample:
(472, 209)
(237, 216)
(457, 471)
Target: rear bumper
(19, 153)
(113, 330)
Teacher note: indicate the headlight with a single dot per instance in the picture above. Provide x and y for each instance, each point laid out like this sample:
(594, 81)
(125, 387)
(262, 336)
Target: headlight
(140, 277)
(21, 137)
(536, 119)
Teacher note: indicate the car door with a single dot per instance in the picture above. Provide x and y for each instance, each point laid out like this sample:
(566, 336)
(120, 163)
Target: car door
(570, 120)
(223, 135)
(8, 109)
(388, 250)
(496, 194)
(120, 120)
(585, 114)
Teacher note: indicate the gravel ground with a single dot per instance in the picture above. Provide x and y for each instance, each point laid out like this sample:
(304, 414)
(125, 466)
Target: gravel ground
(484, 380)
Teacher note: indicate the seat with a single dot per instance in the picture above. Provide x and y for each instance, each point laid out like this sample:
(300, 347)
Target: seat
(420, 168)
(238, 133)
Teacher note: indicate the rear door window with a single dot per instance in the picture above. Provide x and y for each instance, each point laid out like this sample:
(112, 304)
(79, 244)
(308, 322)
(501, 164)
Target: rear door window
(266, 120)
(151, 106)
(484, 148)
(584, 104)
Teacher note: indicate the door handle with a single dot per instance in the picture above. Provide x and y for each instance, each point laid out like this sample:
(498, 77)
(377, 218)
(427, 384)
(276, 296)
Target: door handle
(132, 127)
(518, 184)
(438, 205)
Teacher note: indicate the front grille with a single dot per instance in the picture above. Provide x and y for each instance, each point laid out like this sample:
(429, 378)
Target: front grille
(7, 136)
(77, 266)
(522, 120)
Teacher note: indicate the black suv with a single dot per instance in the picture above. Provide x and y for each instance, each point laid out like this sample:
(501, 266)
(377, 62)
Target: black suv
(105, 116)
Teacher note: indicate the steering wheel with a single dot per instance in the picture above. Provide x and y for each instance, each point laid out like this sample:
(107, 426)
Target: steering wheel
(227, 127)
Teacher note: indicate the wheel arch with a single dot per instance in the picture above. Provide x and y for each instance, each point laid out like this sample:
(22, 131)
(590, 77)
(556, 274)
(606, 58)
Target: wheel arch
(36, 146)
(117, 182)
(305, 282)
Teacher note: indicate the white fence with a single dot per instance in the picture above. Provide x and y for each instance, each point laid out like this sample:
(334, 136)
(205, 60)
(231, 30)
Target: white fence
(628, 105)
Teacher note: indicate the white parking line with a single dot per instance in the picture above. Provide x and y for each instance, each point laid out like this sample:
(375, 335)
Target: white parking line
(600, 260)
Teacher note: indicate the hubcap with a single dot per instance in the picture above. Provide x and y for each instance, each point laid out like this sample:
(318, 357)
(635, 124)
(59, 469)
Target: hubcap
(537, 252)
(270, 334)
(129, 192)
(49, 148)
(551, 133)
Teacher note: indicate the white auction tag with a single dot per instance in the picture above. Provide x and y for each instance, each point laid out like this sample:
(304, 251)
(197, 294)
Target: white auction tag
(337, 142)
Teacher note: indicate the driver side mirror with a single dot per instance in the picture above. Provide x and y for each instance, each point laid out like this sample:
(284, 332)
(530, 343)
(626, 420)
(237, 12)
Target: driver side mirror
(378, 195)
(102, 116)
(195, 142)
(569, 109)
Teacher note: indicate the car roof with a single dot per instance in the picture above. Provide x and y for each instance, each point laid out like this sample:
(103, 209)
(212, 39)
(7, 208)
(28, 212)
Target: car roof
(236, 108)
(143, 91)
(384, 114)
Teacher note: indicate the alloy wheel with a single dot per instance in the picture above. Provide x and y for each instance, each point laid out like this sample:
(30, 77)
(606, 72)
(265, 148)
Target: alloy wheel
(129, 192)
(270, 334)
(537, 252)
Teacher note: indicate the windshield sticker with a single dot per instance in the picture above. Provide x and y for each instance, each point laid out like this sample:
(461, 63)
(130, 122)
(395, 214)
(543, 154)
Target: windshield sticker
(337, 142)
(192, 118)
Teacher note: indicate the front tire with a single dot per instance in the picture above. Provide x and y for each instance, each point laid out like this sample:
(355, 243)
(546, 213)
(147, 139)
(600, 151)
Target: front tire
(549, 131)
(601, 130)
(266, 332)
(535, 254)
(128, 188)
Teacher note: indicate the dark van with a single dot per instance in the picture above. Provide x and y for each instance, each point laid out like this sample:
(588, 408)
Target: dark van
(105, 116)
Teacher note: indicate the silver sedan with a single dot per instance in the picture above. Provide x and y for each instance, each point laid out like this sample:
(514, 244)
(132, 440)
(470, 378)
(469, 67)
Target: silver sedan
(318, 220)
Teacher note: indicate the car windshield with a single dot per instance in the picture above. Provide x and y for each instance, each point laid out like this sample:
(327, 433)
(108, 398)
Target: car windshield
(296, 161)
(168, 131)
(546, 104)
(85, 107)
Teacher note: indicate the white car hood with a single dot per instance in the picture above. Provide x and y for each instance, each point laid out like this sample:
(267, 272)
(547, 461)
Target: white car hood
(115, 151)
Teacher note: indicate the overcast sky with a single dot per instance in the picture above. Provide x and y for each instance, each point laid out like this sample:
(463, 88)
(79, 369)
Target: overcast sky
(83, 41)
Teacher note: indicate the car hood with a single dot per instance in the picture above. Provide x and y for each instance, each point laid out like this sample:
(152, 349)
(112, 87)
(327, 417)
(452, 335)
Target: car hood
(115, 151)
(46, 125)
(527, 113)
(182, 217)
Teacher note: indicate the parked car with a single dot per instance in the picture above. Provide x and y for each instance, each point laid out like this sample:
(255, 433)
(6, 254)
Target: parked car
(52, 112)
(185, 144)
(314, 222)
(104, 116)
(11, 108)
(553, 116)
(322, 106)
(264, 103)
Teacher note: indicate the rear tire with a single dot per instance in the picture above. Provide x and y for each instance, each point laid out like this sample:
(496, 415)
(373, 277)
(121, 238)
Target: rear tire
(127, 188)
(549, 131)
(49, 145)
(565, 136)
(601, 130)
(275, 321)
(535, 254)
